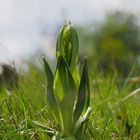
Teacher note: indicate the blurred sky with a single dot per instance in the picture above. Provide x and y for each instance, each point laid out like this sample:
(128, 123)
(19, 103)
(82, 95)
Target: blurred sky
(22, 21)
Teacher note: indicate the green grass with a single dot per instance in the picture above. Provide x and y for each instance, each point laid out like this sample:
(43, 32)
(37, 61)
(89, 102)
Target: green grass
(27, 112)
(24, 114)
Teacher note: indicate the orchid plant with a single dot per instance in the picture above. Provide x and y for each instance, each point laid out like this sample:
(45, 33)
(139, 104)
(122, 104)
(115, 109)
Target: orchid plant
(68, 90)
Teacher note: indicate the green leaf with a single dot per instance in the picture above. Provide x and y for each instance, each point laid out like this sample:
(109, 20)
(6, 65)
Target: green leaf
(59, 44)
(75, 47)
(64, 83)
(50, 92)
(63, 75)
(83, 97)
(50, 79)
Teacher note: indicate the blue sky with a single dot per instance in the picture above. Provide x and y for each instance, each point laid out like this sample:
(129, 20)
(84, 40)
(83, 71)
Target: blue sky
(21, 21)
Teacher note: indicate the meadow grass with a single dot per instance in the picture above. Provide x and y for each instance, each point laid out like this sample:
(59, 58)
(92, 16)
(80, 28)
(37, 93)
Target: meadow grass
(24, 114)
(65, 109)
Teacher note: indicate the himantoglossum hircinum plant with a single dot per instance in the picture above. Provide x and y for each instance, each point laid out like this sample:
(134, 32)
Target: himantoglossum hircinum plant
(68, 92)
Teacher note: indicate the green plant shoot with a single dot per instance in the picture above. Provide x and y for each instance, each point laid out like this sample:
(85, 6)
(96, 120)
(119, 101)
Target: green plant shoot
(68, 93)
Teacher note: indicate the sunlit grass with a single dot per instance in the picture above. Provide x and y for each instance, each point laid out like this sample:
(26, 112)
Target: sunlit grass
(23, 113)
(28, 112)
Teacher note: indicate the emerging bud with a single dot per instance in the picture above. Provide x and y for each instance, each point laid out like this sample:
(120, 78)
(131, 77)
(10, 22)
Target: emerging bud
(67, 44)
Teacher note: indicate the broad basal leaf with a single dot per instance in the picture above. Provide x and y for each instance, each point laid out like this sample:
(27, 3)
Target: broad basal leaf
(50, 92)
(64, 80)
(83, 97)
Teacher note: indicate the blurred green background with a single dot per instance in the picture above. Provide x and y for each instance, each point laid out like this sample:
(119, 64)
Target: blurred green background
(114, 45)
